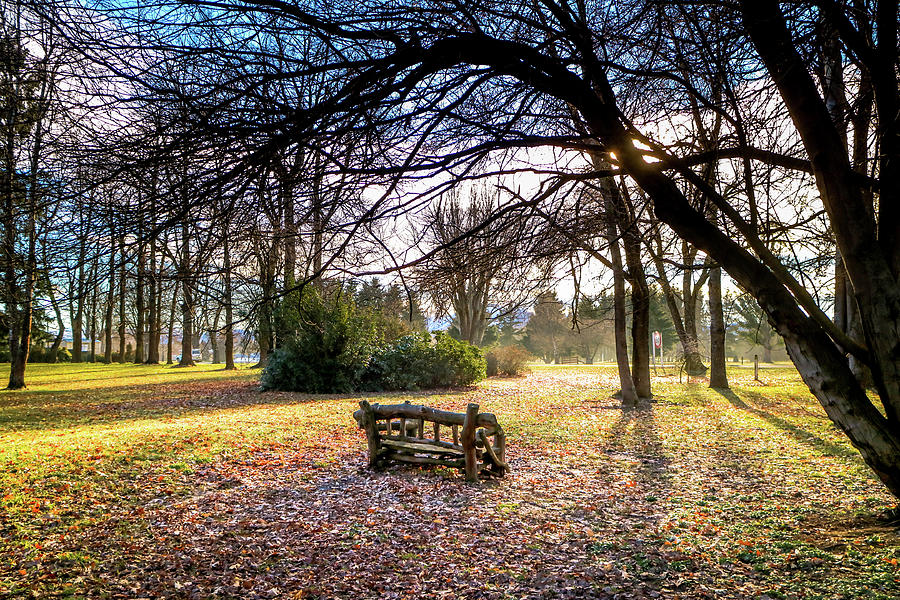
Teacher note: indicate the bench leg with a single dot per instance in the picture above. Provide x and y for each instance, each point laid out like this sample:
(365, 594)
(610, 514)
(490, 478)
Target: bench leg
(371, 432)
(468, 442)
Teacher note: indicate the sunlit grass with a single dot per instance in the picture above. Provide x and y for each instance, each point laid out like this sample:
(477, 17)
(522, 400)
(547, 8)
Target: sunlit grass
(731, 475)
(69, 377)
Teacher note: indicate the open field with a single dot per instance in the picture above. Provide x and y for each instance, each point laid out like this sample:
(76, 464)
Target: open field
(146, 482)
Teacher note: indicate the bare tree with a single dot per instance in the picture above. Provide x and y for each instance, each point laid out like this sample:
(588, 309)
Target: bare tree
(480, 272)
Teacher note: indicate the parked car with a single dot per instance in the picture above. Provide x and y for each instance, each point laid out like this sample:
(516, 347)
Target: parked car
(196, 355)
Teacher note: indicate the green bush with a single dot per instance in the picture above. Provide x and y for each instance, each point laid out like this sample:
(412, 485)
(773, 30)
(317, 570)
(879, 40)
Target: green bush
(334, 347)
(456, 362)
(115, 357)
(329, 352)
(39, 354)
(414, 362)
(400, 365)
(491, 362)
(509, 360)
(62, 355)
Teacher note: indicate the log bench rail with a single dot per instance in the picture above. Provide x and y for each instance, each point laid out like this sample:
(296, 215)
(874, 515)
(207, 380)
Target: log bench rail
(412, 433)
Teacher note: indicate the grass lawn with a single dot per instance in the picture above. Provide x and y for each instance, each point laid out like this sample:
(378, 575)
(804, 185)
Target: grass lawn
(148, 482)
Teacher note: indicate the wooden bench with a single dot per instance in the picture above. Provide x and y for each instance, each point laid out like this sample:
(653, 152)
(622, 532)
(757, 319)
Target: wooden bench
(411, 433)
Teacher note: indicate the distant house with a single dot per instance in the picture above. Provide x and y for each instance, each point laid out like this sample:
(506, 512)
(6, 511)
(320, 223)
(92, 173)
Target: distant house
(68, 344)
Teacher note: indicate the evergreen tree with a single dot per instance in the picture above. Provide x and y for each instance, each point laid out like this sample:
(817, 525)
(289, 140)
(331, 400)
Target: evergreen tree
(751, 326)
(546, 332)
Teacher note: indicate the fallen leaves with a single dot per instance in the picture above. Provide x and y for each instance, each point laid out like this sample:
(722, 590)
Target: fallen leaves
(209, 489)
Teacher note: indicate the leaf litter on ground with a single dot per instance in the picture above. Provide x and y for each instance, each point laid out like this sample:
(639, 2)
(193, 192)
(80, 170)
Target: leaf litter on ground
(205, 488)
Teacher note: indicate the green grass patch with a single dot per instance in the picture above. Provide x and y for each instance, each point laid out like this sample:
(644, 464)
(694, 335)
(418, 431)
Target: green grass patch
(753, 484)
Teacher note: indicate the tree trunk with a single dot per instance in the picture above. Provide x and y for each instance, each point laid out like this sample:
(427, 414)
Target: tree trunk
(94, 300)
(159, 307)
(628, 391)
(629, 394)
(318, 226)
(107, 325)
(640, 293)
(139, 303)
(640, 314)
(214, 337)
(846, 317)
(78, 318)
(17, 368)
(154, 280)
(717, 376)
(19, 359)
(861, 119)
(693, 361)
(229, 307)
(640, 338)
(12, 292)
(170, 341)
(471, 310)
(153, 309)
(12, 123)
(266, 258)
(841, 293)
(262, 338)
(123, 317)
(110, 295)
(290, 238)
(187, 306)
(60, 324)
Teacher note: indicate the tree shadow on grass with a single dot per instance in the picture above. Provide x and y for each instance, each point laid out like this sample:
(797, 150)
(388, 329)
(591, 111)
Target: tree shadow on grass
(798, 433)
(635, 436)
(47, 410)
(40, 410)
(640, 482)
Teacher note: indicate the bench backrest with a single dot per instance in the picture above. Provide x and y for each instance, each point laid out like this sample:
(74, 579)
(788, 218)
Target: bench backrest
(417, 428)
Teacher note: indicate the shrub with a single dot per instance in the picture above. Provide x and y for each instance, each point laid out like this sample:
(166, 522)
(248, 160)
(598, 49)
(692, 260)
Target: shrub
(508, 360)
(337, 348)
(330, 351)
(129, 356)
(414, 362)
(39, 354)
(401, 365)
(456, 362)
(491, 362)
